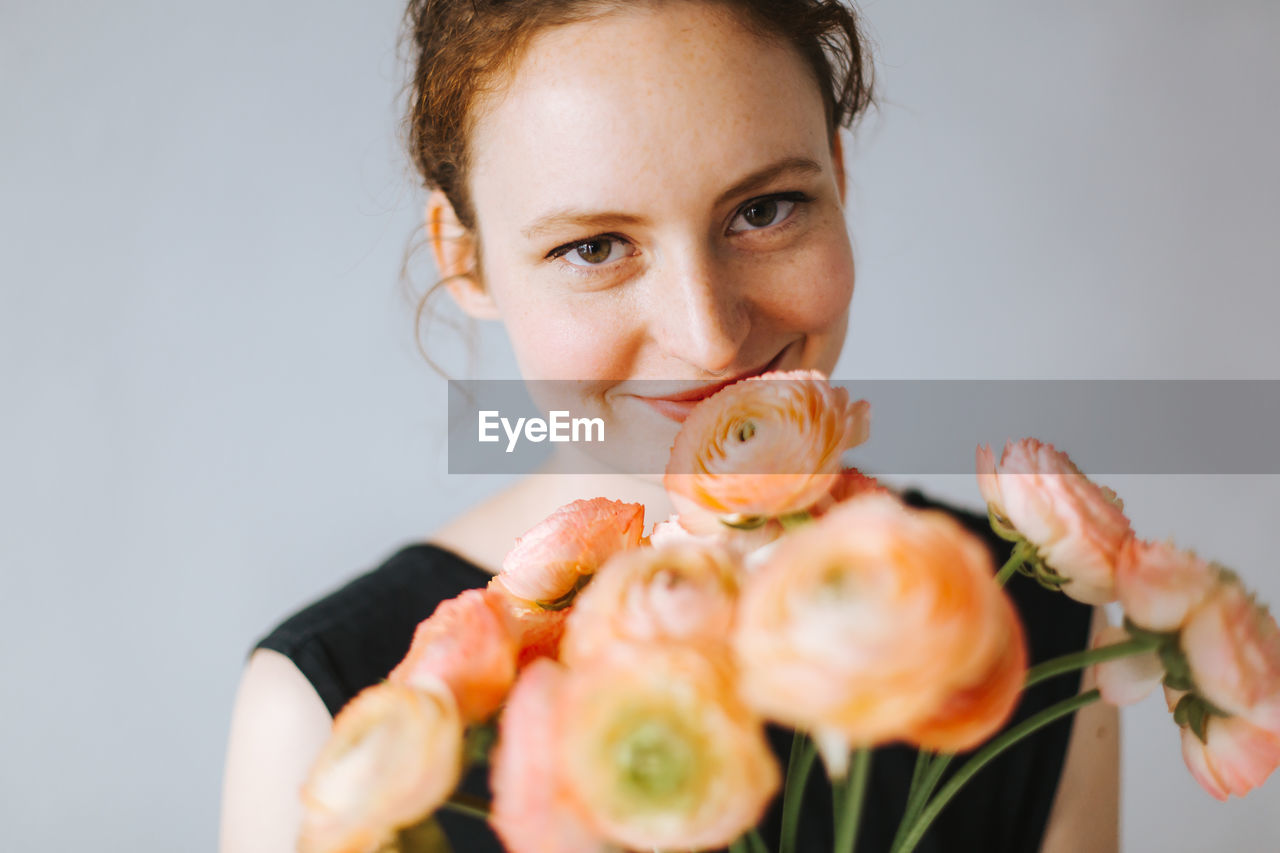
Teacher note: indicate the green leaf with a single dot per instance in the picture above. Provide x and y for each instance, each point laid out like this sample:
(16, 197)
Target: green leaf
(1177, 672)
(479, 740)
(1197, 717)
(565, 600)
(426, 837)
(1182, 710)
(744, 522)
(795, 520)
(1139, 633)
(1003, 527)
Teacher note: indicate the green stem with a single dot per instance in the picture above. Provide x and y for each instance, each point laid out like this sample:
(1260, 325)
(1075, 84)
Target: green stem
(801, 762)
(916, 802)
(1079, 660)
(1019, 556)
(852, 791)
(923, 757)
(738, 846)
(467, 804)
(755, 844)
(915, 794)
(984, 756)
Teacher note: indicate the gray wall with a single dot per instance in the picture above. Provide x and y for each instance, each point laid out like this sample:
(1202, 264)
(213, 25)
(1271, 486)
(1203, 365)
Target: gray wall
(213, 409)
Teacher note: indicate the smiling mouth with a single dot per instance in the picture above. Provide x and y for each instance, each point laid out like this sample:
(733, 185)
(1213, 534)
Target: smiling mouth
(678, 406)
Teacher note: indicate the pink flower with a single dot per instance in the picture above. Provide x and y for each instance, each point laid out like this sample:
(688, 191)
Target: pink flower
(533, 809)
(1236, 758)
(1159, 584)
(681, 592)
(764, 447)
(1232, 645)
(555, 558)
(1126, 680)
(872, 623)
(394, 756)
(466, 645)
(1076, 526)
(698, 525)
(536, 632)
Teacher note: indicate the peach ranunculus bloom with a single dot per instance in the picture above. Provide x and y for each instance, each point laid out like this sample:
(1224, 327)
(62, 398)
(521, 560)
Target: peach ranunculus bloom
(395, 754)
(660, 751)
(764, 447)
(1076, 526)
(1232, 647)
(867, 625)
(1126, 680)
(973, 712)
(1159, 584)
(464, 643)
(1235, 757)
(533, 810)
(679, 592)
(850, 483)
(557, 556)
(535, 631)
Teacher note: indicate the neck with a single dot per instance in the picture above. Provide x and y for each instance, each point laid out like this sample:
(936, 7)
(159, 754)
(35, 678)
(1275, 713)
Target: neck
(569, 475)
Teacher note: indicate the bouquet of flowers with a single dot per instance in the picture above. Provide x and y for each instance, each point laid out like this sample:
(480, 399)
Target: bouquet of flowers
(617, 685)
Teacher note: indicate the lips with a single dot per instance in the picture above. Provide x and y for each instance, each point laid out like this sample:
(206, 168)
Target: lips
(678, 406)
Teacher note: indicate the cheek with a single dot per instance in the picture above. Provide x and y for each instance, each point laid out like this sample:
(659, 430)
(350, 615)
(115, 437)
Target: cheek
(810, 292)
(562, 340)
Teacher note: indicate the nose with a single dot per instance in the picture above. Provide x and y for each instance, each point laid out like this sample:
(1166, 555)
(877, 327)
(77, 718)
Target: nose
(700, 314)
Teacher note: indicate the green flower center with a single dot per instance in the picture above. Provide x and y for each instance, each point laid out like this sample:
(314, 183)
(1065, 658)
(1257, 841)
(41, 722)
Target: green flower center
(656, 762)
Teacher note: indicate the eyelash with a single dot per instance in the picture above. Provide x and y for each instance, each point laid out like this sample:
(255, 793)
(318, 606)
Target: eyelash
(799, 198)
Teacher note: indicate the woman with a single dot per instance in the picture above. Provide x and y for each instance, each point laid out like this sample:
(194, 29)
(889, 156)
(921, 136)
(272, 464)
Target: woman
(637, 191)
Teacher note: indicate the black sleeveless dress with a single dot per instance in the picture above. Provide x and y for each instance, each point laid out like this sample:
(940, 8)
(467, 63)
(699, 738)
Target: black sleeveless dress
(353, 637)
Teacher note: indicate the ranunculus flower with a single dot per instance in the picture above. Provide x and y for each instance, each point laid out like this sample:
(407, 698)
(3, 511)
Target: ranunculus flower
(464, 643)
(1232, 645)
(698, 525)
(556, 557)
(862, 626)
(976, 711)
(670, 532)
(394, 756)
(1076, 526)
(1126, 680)
(680, 592)
(850, 483)
(660, 752)
(1158, 583)
(533, 810)
(764, 447)
(1236, 758)
(535, 630)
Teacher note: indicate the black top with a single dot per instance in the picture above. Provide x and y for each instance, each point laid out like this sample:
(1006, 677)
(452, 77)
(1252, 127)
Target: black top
(354, 636)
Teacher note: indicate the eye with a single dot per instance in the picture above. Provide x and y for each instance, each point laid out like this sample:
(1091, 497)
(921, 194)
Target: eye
(593, 252)
(762, 213)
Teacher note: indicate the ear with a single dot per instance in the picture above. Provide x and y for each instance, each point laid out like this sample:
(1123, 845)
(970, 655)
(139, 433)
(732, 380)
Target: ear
(837, 160)
(454, 248)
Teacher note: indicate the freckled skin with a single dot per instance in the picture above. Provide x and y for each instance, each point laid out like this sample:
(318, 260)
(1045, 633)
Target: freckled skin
(655, 112)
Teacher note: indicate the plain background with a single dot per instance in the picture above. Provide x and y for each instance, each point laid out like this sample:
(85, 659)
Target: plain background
(213, 409)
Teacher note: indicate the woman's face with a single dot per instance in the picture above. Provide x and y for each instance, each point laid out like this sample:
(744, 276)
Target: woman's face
(660, 210)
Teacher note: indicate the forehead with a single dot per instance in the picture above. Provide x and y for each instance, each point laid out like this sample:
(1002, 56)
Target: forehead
(640, 104)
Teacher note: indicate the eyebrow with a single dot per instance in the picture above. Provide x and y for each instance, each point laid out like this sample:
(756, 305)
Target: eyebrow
(607, 219)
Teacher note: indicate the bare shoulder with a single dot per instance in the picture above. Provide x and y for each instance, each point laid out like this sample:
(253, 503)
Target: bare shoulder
(278, 726)
(1086, 810)
(485, 532)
